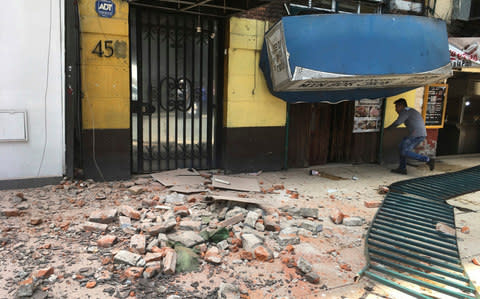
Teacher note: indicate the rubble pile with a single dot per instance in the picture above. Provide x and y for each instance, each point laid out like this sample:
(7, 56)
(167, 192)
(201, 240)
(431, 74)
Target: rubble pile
(142, 234)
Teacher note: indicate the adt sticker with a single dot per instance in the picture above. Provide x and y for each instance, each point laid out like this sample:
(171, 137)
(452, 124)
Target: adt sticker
(105, 8)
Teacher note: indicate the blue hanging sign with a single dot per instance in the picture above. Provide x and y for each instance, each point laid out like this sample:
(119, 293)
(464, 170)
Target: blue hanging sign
(105, 8)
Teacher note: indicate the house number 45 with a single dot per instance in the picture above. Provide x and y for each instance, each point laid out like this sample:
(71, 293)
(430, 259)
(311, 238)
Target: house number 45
(105, 51)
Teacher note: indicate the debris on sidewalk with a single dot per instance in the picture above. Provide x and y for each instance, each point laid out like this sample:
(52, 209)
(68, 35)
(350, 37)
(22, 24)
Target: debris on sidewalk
(326, 175)
(445, 228)
(235, 183)
(144, 239)
(383, 189)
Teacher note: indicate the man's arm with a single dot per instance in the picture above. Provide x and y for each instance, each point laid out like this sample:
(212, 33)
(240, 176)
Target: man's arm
(402, 117)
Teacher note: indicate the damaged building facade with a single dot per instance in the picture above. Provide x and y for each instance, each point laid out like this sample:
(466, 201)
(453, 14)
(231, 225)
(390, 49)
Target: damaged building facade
(157, 85)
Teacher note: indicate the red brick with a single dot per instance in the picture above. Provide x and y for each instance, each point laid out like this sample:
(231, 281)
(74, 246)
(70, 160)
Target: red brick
(337, 216)
(262, 254)
(106, 241)
(372, 204)
(246, 255)
(11, 212)
(44, 273)
(133, 272)
(169, 261)
(91, 284)
(465, 230)
(129, 212)
(152, 257)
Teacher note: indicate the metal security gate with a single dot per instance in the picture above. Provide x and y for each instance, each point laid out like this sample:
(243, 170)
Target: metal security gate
(175, 90)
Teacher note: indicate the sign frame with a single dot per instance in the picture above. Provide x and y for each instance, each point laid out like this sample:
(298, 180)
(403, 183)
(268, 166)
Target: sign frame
(426, 99)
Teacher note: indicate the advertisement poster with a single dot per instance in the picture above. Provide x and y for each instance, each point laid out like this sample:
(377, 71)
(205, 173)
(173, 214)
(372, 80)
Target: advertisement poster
(464, 51)
(368, 116)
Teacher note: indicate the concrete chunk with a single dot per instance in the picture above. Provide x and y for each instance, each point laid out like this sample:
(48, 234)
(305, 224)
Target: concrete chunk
(104, 216)
(250, 241)
(127, 257)
(137, 243)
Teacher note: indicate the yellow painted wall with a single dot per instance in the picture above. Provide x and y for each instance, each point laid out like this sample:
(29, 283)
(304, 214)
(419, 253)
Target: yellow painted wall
(414, 99)
(248, 102)
(443, 9)
(105, 80)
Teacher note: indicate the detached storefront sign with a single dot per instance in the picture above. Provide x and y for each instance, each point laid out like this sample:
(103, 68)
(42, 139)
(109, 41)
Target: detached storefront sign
(464, 52)
(368, 116)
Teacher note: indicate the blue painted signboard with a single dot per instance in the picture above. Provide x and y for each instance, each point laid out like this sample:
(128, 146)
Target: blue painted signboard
(105, 8)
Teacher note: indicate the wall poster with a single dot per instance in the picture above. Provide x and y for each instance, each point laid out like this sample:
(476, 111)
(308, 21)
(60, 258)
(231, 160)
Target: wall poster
(434, 105)
(368, 116)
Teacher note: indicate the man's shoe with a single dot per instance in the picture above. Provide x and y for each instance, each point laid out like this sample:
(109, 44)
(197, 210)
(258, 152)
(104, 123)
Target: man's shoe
(399, 170)
(431, 164)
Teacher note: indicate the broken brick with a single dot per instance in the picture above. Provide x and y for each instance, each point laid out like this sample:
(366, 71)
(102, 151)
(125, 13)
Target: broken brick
(138, 243)
(476, 261)
(262, 254)
(346, 267)
(465, 230)
(106, 241)
(169, 261)
(44, 273)
(232, 220)
(337, 216)
(91, 284)
(213, 255)
(133, 272)
(152, 257)
(372, 204)
(11, 212)
(36, 221)
(94, 227)
(444, 228)
(246, 255)
(181, 211)
(129, 212)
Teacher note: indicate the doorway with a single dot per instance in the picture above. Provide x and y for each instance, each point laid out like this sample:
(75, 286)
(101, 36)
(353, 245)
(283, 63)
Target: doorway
(322, 133)
(175, 90)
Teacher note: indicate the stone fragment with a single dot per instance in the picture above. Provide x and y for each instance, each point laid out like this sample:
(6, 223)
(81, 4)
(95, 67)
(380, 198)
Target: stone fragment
(445, 228)
(250, 241)
(153, 243)
(223, 245)
(43, 273)
(232, 220)
(103, 216)
(25, 290)
(91, 284)
(106, 241)
(11, 212)
(127, 257)
(383, 189)
(169, 261)
(133, 272)
(337, 216)
(246, 255)
(228, 291)
(312, 277)
(136, 190)
(309, 212)
(100, 196)
(251, 218)
(153, 257)
(104, 276)
(284, 240)
(187, 238)
(191, 225)
(263, 253)
(36, 221)
(235, 211)
(181, 211)
(124, 222)
(152, 269)
(303, 265)
(260, 227)
(213, 255)
(290, 230)
(372, 204)
(353, 221)
(271, 223)
(129, 212)
(138, 243)
(94, 227)
(142, 181)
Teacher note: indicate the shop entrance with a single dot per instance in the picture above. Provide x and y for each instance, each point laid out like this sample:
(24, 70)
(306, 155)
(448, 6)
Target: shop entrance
(321, 133)
(175, 90)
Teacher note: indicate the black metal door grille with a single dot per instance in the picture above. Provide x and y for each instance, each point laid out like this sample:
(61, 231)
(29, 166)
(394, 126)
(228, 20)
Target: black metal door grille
(174, 90)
